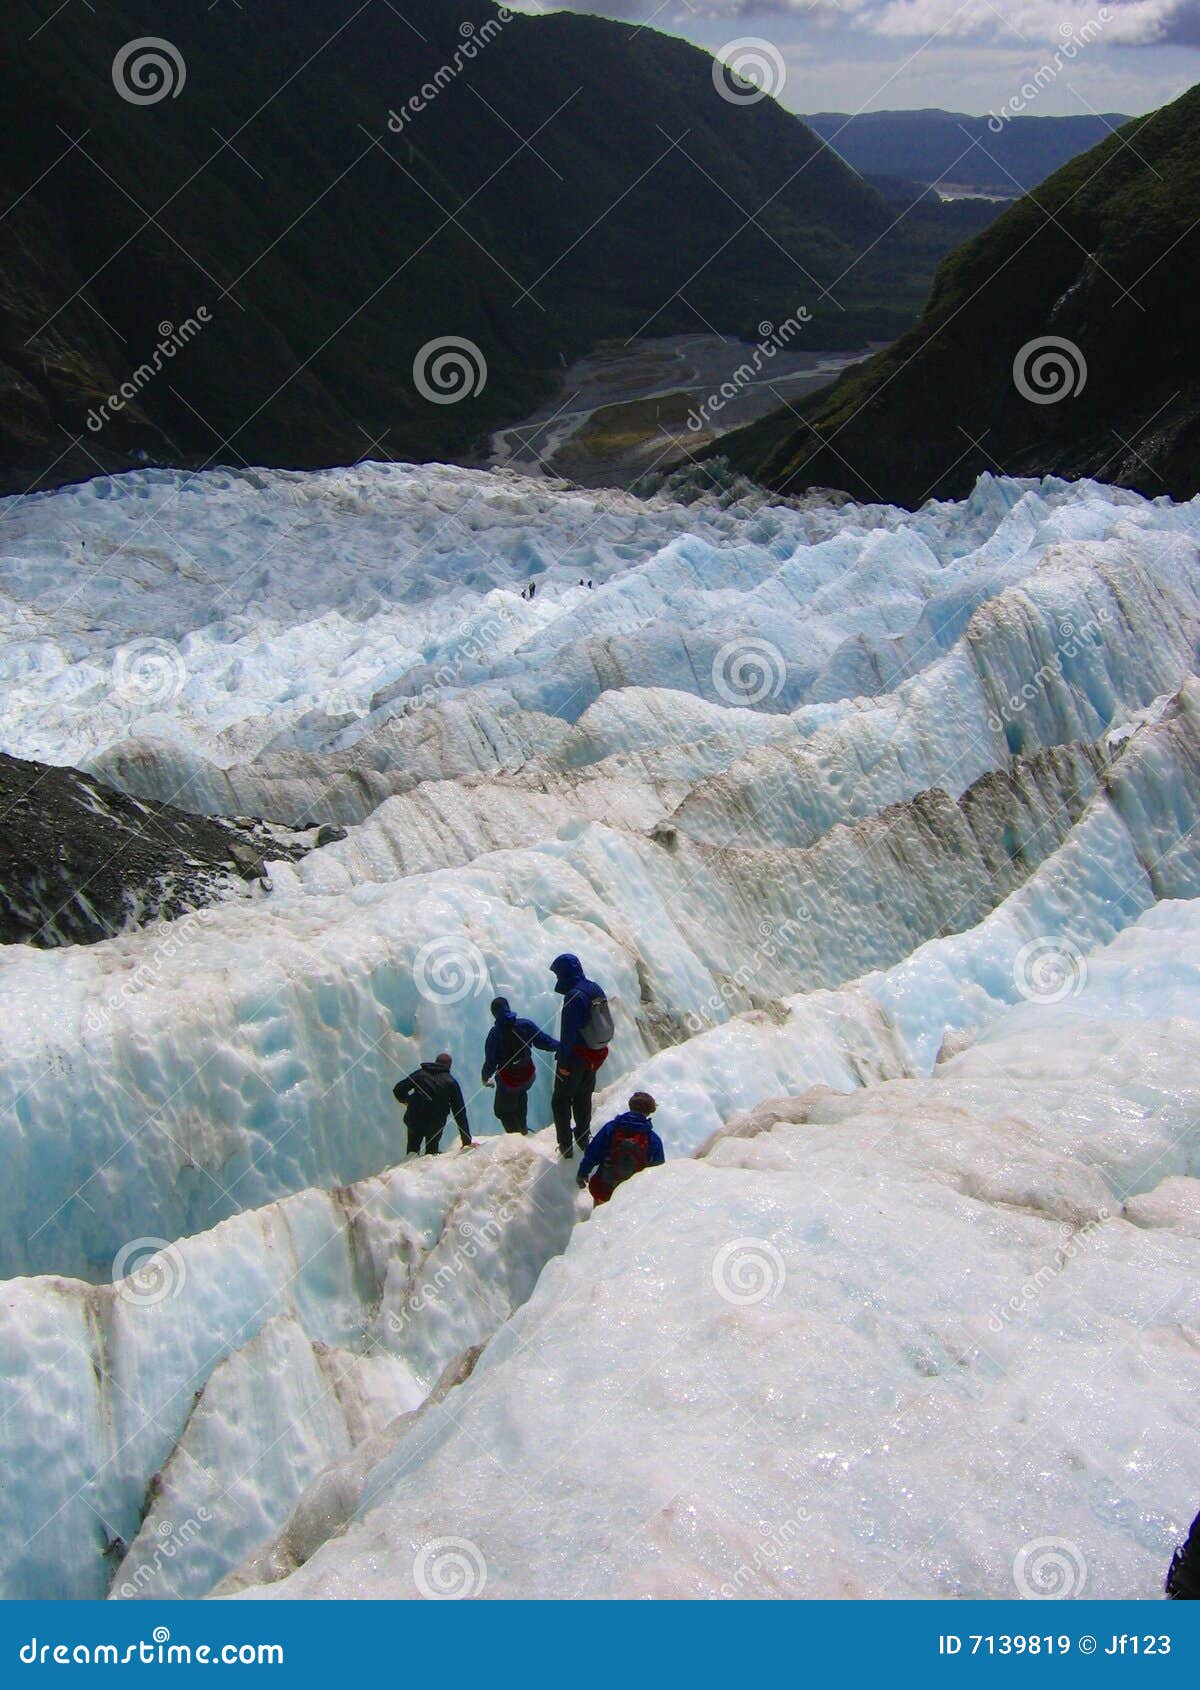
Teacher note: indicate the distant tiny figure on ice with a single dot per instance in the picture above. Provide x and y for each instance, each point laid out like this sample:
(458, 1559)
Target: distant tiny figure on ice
(508, 1059)
(430, 1095)
(1183, 1579)
(622, 1148)
(584, 1032)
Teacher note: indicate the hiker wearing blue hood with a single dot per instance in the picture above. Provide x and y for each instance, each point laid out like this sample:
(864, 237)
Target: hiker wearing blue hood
(622, 1148)
(583, 1035)
(508, 1058)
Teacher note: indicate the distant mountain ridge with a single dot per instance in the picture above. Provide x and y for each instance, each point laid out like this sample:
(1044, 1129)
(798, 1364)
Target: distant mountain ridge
(1007, 155)
(1063, 340)
(339, 184)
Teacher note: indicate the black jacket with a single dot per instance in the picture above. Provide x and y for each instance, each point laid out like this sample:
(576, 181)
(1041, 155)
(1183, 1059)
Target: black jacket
(430, 1094)
(1183, 1580)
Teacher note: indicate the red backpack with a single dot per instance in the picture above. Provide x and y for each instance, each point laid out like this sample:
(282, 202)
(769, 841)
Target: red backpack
(628, 1154)
(516, 1071)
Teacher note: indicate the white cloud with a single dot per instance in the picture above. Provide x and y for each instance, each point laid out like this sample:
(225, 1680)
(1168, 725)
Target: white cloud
(1129, 23)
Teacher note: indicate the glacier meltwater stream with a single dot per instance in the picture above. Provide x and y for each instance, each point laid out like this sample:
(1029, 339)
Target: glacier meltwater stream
(880, 829)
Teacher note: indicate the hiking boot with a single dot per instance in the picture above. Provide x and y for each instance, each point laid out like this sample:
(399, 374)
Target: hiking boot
(567, 1155)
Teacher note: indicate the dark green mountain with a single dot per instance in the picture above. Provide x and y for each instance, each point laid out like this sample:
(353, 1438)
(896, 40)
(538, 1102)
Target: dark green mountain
(573, 180)
(1103, 258)
(1001, 155)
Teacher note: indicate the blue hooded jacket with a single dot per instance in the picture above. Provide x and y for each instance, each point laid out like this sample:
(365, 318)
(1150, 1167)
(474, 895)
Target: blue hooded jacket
(596, 1153)
(577, 993)
(529, 1032)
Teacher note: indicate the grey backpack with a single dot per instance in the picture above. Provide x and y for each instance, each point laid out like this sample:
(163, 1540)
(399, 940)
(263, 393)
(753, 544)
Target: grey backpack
(597, 1030)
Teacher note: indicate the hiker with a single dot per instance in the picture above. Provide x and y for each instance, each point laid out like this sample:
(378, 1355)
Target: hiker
(508, 1058)
(622, 1148)
(1183, 1579)
(584, 1031)
(430, 1094)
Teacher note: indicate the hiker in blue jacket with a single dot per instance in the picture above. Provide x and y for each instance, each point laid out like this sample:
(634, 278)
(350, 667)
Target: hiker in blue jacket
(1183, 1580)
(508, 1059)
(622, 1148)
(583, 1035)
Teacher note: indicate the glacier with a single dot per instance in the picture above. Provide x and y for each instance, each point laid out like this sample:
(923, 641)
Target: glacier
(881, 829)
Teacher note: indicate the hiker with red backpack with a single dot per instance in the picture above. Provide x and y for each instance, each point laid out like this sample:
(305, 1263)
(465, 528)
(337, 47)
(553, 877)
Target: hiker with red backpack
(621, 1149)
(584, 1032)
(508, 1059)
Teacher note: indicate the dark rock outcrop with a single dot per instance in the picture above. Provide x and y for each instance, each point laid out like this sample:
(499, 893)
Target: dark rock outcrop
(79, 861)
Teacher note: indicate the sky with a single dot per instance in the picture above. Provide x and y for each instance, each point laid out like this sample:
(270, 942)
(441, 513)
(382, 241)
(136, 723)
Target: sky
(1126, 56)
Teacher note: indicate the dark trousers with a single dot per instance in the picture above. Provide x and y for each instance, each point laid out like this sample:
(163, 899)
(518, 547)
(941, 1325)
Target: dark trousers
(425, 1138)
(512, 1109)
(572, 1097)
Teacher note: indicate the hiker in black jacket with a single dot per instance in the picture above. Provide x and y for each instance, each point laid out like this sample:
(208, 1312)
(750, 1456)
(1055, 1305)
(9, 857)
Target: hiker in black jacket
(430, 1094)
(1183, 1580)
(508, 1059)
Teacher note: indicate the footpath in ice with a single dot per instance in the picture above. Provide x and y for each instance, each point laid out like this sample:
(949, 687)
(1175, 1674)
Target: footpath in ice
(881, 830)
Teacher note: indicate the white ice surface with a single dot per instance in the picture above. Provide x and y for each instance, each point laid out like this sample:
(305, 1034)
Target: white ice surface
(941, 1342)
(978, 746)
